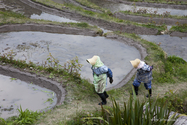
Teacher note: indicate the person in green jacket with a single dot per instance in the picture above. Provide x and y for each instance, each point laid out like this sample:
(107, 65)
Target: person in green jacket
(100, 74)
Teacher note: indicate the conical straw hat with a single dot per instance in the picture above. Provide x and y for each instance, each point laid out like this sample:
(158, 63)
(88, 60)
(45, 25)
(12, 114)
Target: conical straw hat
(92, 60)
(135, 63)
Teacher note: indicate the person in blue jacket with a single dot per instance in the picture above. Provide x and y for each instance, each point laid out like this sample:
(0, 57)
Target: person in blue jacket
(143, 75)
(100, 74)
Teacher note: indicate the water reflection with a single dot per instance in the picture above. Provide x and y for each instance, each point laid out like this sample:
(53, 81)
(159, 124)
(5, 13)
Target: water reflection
(114, 7)
(14, 92)
(171, 45)
(35, 46)
(46, 16)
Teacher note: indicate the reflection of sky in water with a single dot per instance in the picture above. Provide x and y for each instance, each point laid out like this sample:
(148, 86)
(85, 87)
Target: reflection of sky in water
(35, 46)
(122, 7)
(171, 45)
(46, 16)
(14, 93)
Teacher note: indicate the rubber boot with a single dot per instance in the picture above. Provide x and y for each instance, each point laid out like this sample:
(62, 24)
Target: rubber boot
(135, 90)
(103, 98)
(150, 93)
(106, 95)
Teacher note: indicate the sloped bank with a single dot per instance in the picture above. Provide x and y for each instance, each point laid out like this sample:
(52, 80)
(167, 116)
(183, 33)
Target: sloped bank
(167, 21)
(65, 12)
(47, 28)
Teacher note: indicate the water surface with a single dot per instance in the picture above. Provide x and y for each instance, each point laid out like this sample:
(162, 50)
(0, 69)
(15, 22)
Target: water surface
(36, 46)
(171, 45)
(14, 92)
(115, 7)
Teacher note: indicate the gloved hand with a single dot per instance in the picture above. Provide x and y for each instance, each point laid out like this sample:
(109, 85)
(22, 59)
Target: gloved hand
(111, 80)
(151, 67)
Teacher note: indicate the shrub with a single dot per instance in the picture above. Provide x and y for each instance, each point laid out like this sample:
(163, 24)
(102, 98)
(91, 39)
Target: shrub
(26, 117)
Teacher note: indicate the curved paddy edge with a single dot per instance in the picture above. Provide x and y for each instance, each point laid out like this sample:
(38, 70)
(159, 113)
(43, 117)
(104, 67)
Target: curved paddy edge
(47, 28)
(37, 80)
(143, 54)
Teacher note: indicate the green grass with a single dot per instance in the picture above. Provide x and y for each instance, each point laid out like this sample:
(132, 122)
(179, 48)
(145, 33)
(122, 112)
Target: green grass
(179, 28)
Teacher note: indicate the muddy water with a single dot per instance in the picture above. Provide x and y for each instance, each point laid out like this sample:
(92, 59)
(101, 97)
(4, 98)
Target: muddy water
(36, 46)
(171, 45)
(14, 93)
(46, 16)
(114, 7)
(17, 6)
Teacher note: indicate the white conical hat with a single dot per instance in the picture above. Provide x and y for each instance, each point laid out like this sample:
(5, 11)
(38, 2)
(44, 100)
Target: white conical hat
(135, 63)
(92, 60)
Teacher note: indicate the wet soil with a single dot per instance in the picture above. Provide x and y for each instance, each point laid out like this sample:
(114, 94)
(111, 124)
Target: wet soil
(116, 7)
(47, 28)
(19, 7)
(99, 22)
(155, 5)
(142, 19)
(160, 21)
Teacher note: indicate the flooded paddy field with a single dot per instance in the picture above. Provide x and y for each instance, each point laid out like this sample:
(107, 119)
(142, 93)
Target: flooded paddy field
(115, 7)
(36, 46)
(15, 93)
(171, 45)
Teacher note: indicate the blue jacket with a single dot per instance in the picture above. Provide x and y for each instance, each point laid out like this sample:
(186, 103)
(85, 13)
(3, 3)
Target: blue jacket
(102, 70)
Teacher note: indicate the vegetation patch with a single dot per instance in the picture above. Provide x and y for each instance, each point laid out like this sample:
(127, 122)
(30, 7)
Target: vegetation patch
(176, 101)
(179, 27)
(133, 112)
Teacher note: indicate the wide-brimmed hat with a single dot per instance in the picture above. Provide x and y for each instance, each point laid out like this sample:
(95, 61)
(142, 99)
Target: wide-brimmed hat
(135, 63)
(92, 60)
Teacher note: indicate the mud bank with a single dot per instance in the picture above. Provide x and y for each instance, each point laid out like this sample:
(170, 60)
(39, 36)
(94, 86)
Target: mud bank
(155, 5)
(142, 19)
(47, 28)
(178, 34)
(94, 21)
(37, 80)
(167, 21)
